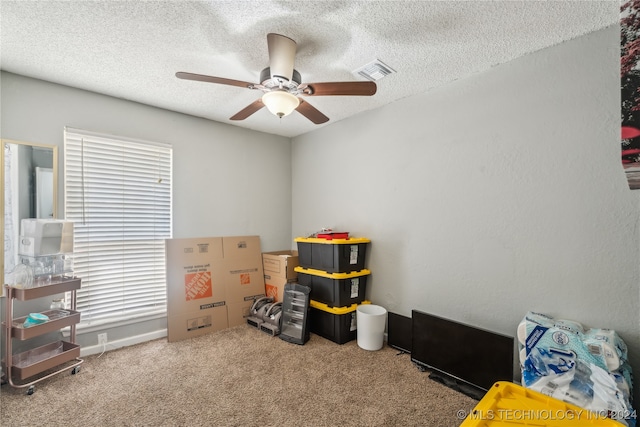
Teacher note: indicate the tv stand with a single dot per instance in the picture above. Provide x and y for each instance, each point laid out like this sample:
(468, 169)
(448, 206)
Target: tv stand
(457, 385)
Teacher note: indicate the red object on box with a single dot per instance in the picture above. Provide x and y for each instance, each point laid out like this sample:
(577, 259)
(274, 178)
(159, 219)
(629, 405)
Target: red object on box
(333, 235)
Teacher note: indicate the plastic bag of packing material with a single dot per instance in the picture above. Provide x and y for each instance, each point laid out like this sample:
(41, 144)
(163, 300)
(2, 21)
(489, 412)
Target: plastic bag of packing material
(601, 347)
(607, 343)
(540, 331)
(585, 385)
(624, 379)
(586, 367)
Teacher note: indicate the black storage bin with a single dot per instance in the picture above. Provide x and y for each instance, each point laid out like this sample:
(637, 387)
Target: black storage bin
(337, 324)
(334, 289)
(332, 256)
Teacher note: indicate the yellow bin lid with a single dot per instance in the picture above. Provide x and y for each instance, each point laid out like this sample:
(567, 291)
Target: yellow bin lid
(509, 404)
(349, 241)
(336, 310)
(339, 276)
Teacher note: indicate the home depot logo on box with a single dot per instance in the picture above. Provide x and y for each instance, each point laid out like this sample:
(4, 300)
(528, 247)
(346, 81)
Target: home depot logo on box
(274, 286)
(198, 285)
(244, 276)
(271, 291)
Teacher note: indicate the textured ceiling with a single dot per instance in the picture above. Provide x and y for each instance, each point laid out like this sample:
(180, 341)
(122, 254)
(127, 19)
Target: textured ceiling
(132, 49)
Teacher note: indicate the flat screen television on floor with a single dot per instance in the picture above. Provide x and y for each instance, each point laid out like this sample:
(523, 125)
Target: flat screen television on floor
(463, 357)
(399, 332)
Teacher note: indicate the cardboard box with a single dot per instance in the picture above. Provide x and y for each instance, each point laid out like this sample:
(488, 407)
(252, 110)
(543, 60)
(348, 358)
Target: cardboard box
(243, 272)
(192, 324)
(279, 269)
(242, 279)
(242, 247)
(204, 276)
(274, 287)
(280, 264)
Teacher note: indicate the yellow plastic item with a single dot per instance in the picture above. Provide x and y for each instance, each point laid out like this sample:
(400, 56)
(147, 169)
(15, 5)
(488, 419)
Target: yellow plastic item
(509, 404)
(336, 310)
(349, 241)
(336, 276)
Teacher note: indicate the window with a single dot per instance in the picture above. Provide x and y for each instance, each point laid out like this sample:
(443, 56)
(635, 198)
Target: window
(118, 195)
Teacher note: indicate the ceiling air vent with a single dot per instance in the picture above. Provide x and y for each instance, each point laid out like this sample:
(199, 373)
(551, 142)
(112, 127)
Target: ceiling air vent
(374, 70)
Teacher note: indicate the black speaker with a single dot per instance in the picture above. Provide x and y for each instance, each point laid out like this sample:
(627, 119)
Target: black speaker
(399, 332)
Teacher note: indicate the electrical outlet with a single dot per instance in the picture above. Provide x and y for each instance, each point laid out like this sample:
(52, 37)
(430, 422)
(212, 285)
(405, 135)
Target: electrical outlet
(102, 339)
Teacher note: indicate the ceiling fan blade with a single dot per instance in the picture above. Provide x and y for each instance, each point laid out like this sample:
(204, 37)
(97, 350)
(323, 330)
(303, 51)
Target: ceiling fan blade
(248, 110)
(311, 112)
(212, 79)
(282, 52)
(339, 88)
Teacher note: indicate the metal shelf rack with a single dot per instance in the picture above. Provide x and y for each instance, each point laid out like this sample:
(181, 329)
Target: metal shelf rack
(25, 369)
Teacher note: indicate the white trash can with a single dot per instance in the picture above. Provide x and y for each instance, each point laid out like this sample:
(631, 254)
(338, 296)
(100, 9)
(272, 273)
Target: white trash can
(371, 320)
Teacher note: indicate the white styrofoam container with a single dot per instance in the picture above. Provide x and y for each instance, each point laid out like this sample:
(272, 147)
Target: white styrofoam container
(45, 236)
(33, 246)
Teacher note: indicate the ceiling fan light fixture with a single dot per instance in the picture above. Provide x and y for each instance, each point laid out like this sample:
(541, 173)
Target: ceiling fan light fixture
(280, 103)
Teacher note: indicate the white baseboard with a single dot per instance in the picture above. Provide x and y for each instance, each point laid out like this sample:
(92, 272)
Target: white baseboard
(112, 345)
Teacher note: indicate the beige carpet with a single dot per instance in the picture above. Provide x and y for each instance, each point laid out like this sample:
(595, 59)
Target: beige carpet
(239, 377)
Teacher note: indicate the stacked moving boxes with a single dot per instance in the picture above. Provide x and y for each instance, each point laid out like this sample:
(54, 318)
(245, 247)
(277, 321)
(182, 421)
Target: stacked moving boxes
(211, 283)
(279, 269)
(334, 289)
(335, 271)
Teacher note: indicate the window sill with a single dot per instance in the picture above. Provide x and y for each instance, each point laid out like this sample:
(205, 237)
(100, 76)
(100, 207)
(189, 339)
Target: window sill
(105, 324)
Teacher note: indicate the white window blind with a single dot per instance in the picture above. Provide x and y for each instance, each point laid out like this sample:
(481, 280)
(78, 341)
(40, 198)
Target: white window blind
(118, 195)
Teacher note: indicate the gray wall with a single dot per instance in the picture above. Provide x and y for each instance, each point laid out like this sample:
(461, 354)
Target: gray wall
(492, 196)
(226, 180)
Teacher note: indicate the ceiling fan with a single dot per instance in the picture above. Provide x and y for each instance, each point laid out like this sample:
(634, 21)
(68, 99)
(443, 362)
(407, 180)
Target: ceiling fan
(282, 85)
